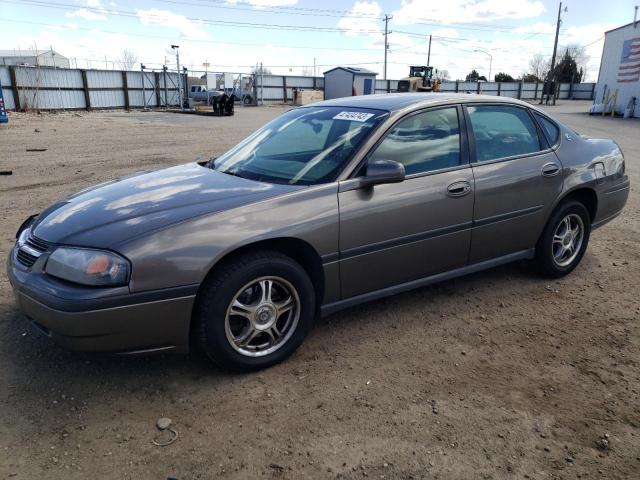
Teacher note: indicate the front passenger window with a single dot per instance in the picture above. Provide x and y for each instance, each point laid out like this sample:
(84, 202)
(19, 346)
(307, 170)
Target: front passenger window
(502, 131)
(423, 142)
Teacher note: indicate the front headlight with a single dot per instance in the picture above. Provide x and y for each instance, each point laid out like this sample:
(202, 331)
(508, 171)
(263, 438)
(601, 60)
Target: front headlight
(97, 268)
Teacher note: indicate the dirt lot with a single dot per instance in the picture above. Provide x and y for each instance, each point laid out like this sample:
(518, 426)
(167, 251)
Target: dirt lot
(497, 375)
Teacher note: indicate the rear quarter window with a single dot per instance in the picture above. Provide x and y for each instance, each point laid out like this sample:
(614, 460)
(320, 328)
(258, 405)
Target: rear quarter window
(550, 129)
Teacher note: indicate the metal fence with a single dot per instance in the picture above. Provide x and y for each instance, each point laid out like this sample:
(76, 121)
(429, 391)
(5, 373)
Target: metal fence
(46, 88)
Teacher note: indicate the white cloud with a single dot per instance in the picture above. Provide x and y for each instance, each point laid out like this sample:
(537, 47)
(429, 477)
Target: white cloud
(188, 28)
(86, 15)
(363, 17)
(465, 11)
(267, 3)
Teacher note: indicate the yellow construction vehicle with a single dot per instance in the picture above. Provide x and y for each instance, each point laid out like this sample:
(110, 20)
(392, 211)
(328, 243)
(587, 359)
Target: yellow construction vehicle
(420, 79)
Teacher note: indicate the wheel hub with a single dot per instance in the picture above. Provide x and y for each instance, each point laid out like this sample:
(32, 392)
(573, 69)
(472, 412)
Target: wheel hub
(265, 316)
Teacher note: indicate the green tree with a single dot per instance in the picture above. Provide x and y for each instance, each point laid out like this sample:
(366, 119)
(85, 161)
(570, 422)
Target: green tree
(503, 77)
(473, 76)
(530, 78)
(567, 69)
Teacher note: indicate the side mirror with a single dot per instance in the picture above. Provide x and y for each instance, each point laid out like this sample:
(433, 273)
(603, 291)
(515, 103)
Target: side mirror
(383, 171)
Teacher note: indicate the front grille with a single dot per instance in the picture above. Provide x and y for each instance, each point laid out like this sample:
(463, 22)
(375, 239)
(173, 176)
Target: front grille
(25, 258)
(38, 244)
(31, 250)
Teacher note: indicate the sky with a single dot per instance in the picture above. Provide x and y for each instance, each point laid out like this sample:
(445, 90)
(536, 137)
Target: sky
(288, 36)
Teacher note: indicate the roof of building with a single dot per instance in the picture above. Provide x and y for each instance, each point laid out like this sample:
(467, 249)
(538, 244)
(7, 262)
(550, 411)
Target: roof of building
(354, 70)
(399, 101)
(622, 26)
(26, 53)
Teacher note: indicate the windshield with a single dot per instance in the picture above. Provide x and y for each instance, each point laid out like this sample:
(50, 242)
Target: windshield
(305, 146)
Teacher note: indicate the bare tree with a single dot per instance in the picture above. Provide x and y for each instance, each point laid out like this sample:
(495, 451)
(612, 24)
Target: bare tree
(257, 70)
(538, 67)
(306, 72)
(127, 59)
(443, 75)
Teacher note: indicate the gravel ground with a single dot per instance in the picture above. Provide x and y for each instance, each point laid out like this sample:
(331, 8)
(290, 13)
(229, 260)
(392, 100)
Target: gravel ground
(498, 375)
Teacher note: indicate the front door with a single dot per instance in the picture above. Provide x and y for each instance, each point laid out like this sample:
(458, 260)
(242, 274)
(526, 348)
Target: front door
(517, 179)
(395, 233)
(368, 86)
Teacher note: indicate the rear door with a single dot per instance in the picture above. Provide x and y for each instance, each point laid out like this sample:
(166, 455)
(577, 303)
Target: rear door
(395, 233)
(517, 178)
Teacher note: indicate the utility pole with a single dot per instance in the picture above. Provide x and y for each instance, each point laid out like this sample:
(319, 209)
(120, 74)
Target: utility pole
(261, 84)
(551, 73)
(429, 53)
(386, 41)
(176, 48)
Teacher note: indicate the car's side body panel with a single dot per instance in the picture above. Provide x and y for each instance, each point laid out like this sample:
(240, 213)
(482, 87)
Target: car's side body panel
(596, 164)
(396, 233)
(191, 248)
(512, 204)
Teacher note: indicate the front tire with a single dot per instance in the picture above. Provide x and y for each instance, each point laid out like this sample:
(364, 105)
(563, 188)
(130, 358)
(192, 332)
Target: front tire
(564, 240)
(254, 311)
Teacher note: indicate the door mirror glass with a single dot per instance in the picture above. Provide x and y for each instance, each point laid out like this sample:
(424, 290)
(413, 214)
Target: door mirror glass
(383, 171)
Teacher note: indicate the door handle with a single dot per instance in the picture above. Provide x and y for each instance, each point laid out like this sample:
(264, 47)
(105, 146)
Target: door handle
(458, 189)
(550, 169)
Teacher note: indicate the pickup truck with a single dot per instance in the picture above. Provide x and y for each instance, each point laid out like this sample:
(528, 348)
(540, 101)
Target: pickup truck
(199, 93)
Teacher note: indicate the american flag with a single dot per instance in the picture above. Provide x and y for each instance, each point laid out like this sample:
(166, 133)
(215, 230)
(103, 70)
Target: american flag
(629, 70)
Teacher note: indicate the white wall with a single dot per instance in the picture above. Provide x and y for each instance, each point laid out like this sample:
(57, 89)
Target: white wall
(611, 55)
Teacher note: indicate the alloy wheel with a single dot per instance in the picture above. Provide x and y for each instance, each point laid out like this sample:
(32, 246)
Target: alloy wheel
(262, 316)
(567, 240)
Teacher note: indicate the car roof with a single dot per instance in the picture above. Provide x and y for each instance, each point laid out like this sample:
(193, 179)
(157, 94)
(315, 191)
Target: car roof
(400, 101)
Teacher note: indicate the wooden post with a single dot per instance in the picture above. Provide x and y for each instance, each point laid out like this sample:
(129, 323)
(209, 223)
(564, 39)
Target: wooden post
(85, 87)
(456, 86)
(314, 83)
(535, 92)
(519, 90)
(499, 87)
(284, 88)
(388, 86)
(125, 87)
(156, 76)
(478, 90)
(14, 88)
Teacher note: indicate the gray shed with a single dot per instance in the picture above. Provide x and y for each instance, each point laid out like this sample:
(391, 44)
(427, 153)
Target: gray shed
(348, 81)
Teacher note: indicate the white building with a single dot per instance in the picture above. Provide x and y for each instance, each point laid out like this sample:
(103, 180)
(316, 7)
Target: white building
(620, 67)
(44, 58)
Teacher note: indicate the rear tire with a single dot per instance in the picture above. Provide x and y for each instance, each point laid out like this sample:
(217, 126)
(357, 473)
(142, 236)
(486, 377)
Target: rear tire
(246, 100)
(254, 311)
(564, 240)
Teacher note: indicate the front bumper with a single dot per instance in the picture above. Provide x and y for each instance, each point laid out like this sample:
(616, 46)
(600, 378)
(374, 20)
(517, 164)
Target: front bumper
(99, 320)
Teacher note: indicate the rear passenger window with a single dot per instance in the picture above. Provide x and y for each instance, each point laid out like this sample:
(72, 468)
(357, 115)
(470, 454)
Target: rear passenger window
(423, 142)
(550, 129)
(502, 131)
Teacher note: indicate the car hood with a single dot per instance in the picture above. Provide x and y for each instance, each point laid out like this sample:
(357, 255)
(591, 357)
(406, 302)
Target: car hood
(110, 213)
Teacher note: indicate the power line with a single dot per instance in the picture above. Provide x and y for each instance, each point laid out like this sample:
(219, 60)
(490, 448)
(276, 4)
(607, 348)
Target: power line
(216, 42)
(216, 23)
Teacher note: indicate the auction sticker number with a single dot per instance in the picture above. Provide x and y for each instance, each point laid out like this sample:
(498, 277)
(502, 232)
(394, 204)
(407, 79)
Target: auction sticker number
(353, 116)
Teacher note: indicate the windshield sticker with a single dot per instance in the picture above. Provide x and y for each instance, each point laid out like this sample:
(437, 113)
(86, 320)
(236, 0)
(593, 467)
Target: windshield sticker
(353, 116)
